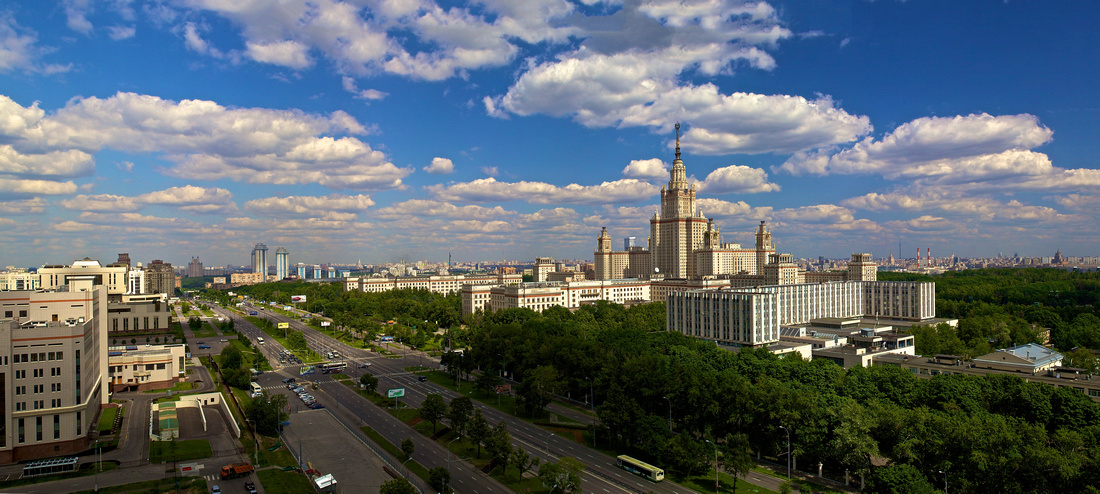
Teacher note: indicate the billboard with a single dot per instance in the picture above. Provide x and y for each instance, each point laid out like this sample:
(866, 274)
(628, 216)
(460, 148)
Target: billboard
(325, 323)
(395, 393)
(306, 370)
(284, 325)
(298, 298)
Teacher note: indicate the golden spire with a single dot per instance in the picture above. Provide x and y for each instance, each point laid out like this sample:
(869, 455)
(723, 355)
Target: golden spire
(677, 140)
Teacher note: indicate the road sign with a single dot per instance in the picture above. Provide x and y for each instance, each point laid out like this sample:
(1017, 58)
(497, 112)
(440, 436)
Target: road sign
(284, 325)
(396, 393)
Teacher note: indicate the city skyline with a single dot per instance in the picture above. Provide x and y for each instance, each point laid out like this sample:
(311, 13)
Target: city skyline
(407, 130)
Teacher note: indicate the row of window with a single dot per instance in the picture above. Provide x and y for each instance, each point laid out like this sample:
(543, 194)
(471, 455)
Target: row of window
(37, 404)
(38, 389)
(22, 373)
(37, 357)
(126, 324)
(148, 367)
(22, 436)
(9, 314)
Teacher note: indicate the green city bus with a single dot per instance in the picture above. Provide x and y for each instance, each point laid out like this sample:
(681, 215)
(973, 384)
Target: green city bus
(642, 468)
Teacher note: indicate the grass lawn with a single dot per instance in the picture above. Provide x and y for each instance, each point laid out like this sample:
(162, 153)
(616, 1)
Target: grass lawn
(415, 467)
(705, 483)
(185, 450)
(276, 481)
(188, 485)
(180, 386)
(107, 420)
(815, 487)
(279, 458)
(512, 479)
(205, 331)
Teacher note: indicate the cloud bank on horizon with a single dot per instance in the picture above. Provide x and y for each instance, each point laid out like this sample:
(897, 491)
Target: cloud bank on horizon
(406, 129)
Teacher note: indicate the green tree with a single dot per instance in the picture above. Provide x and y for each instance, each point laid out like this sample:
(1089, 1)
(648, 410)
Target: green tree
(538, 387)
(369, 382)
(231, 358)
(499, 445)
(266, 412)
(487, 381)
(408, 448)
(459, 413)
(397, 486)
(523, 460)
(194, 323)
(563, 475)
(736, 457)
(439, 478)
(898, 479)
(479, 430)
(296, 341)
(433, 409)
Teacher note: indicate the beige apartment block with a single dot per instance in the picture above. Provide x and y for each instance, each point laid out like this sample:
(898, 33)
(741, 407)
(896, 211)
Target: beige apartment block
(52, 363)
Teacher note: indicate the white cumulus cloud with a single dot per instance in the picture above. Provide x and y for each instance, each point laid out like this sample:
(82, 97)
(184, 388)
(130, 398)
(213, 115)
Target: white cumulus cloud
(347, 206)
(206, 141)
(440, 166)
(489, 189)
(652, 169)
(737, 178)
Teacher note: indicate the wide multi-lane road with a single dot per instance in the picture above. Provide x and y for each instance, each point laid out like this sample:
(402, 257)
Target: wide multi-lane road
(601, 474)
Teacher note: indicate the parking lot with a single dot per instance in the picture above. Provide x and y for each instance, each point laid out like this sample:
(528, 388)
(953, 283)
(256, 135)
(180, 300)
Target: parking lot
(326, 445)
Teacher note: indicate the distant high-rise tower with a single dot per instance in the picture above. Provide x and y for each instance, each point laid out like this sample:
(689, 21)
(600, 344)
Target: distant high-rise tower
(282, 263)
(677, 230)
(194, 268)
(302, 271)
(259, 259)
(160, 277)
(124, 258)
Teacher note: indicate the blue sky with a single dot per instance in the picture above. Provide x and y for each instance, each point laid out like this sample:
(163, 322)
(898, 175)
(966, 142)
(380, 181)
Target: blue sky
(384, 130)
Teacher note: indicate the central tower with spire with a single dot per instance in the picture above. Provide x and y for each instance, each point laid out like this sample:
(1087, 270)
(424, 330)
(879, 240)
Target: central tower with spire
(678, 229)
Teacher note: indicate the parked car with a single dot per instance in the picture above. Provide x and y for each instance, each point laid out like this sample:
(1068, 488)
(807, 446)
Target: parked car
(204, 347)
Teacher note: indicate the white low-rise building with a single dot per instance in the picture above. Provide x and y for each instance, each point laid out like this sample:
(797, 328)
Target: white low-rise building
(138, 368)
(541, 296)
(442, 284)
(753, 316)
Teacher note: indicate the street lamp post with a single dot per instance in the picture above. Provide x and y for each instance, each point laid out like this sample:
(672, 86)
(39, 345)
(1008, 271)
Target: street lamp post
(944, 472)
(548, 444)
(449, 454)
(788, 431)
(715, 465)
(98, 464)
(669, 413)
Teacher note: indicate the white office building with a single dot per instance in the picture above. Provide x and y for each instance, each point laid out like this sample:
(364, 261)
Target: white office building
(753, 316)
